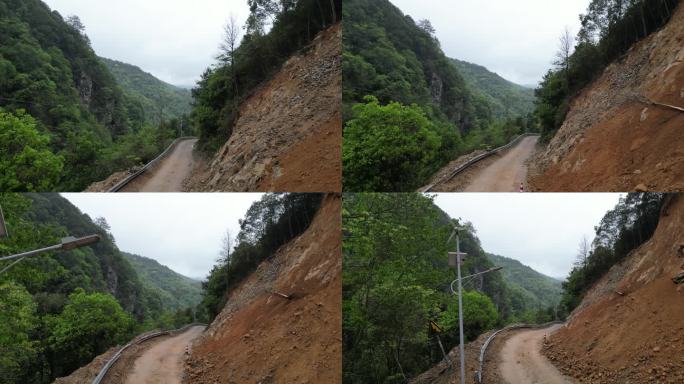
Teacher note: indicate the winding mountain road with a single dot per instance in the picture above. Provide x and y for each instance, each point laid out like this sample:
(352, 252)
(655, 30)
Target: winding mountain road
(163, 362)
(167, 176)
(521, 361)
(507, 172)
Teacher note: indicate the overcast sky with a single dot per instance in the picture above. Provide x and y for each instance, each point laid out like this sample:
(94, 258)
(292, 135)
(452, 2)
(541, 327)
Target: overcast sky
(540, 230)
(175, 40)
(517, 39)
(180, 230)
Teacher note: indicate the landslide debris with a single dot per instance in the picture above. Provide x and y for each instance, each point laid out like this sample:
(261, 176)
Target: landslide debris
(288, 135)
(630, 325)
(262, 337)
(613, 139)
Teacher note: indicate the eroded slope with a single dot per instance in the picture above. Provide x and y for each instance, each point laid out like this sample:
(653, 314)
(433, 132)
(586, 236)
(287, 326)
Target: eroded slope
(630, 325)
(612, 138)
(289, 133)
(261, 337)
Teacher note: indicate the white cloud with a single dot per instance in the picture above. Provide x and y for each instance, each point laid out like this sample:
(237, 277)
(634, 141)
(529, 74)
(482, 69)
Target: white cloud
(180, 230)
(516, 39)
(175, 40)
(542, 230)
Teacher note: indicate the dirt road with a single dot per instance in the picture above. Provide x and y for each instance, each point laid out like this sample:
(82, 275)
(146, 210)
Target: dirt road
(169, 175)
(507, 172)
(163, 362)
(521, 361)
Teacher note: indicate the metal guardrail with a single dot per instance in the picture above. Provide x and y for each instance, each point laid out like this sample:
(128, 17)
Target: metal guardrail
(476, 160)
(123, 183)
(483, 350)
(103, 372)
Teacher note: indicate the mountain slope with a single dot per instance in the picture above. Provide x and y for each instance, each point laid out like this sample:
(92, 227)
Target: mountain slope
(150, 93)
(507, 99)
(628, 327)
(540, 290)
(613, 139)
(287, 136)
(389, 56)
(176, 291)
(260, 336)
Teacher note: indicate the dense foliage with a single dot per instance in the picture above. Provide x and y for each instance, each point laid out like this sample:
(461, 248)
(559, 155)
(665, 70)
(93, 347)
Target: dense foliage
(26, 160)
(153, 99)
(49, 71)
(507, 100)
(609, 29)
(396, 280)
(631, 223)
(175, 290)
(269, 223)
(66, 307)
(399, 62)
(245, 65)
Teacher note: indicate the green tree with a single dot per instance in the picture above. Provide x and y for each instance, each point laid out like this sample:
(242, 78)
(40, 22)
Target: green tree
(17, 322)
(27, 163)
(388, 148)
(87, 327)
(479, 315)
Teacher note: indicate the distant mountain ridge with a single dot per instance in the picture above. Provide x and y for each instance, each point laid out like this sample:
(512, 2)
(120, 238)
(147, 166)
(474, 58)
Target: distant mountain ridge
(152, 94)
(538, 289)
(176, 291)
(507, 99)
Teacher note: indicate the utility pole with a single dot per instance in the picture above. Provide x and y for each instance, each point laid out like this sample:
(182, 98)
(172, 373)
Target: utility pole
(455, 259)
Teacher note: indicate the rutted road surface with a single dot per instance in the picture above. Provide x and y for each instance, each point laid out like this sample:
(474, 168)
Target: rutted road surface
(163, 362)
(168, 176)
(521, 361)
(507, 172)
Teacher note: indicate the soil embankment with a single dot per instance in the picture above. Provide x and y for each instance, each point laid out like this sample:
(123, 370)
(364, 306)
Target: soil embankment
(629, 327)
(612, 138)
(288, 137)
(261, 337)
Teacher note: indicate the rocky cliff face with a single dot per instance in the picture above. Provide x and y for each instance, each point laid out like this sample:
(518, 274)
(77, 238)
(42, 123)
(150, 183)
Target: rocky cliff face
(262, 337)
(288, 135)
(630, 325)
(613, 138)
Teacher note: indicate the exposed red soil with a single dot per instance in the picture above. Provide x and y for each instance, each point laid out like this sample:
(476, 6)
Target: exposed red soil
(612, 140)
(630, 326)
(288, 136)
(260, 337)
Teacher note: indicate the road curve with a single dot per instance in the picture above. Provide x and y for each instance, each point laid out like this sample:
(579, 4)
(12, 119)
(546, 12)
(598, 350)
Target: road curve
(167, 176)
(521, 361)
(163, 362)
(507, 172)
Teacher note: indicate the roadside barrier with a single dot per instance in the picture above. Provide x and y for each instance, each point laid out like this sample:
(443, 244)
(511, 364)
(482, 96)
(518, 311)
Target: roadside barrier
(476, 160)
(103, 372)
(123, 183)
(483, 350)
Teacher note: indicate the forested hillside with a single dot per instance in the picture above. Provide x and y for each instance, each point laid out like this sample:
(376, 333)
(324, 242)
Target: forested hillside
(59, 310)
(175, 290)
(160, 101)
(407, 109)
(539, 290)
(64, 118)
(609, 29)
(247, 61)
(506, 99)
(396, 280)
